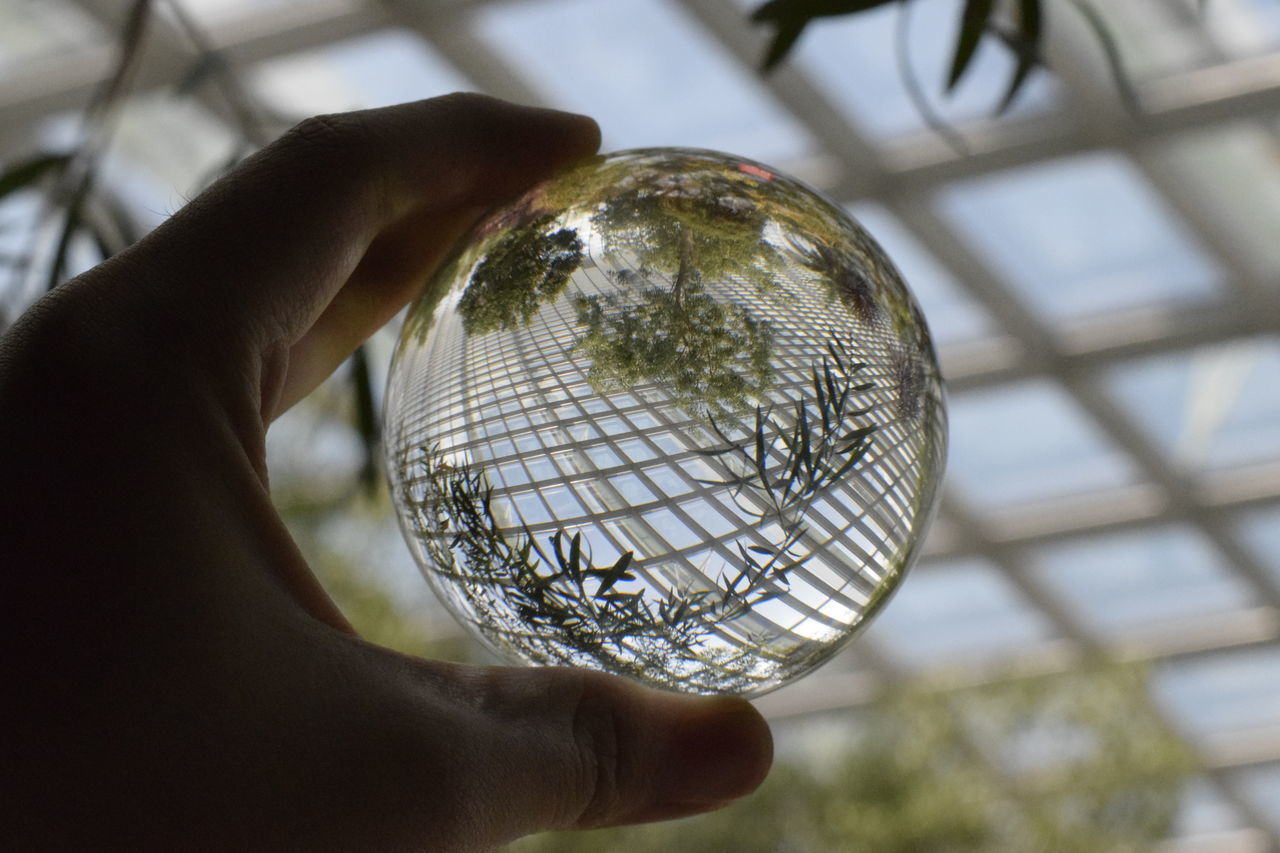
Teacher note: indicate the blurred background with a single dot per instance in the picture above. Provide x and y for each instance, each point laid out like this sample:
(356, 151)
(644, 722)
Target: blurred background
(1087, 657)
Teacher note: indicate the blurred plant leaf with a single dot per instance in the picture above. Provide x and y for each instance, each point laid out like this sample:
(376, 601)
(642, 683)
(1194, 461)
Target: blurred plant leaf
(1115, 63)
(366, 418)
(911, 82)
(71, 221)
(973, 23)
(1024, 43)
(790, 17)
(26, 172)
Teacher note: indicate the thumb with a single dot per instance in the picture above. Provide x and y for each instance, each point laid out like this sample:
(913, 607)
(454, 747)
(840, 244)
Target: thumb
(555, 748)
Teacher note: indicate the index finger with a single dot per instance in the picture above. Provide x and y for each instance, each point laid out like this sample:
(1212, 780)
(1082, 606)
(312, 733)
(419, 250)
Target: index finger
(332, 228)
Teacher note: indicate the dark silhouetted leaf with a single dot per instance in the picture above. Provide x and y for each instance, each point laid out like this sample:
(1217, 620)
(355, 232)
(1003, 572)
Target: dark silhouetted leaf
(1025, 44)
(26, 172)
(973, 23)
(367, 420)
(789, 18)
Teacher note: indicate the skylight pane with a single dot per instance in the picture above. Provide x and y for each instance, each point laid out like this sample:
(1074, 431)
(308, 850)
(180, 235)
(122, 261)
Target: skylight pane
(1158, 38)
(1260, 530)
(1121, 581)
(388, 67)
(1081, 237)
(34, 31)
(1223, 693)
(214, 12)
(165, 151)
(1029, 441)
(647, 73)
(1261, 784)
(957, 612)
(1231, 169)
(855, 60)
(952, 316)
(1210, 408)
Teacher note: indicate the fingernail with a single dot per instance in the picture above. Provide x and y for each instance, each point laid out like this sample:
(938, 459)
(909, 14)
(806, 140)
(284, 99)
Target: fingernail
(720, 751)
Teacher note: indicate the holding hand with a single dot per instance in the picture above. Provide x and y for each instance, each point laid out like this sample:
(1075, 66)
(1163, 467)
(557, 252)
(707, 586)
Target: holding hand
(175, 676)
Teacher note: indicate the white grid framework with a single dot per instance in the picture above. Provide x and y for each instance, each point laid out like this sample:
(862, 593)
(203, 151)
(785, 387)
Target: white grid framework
(1171, 397)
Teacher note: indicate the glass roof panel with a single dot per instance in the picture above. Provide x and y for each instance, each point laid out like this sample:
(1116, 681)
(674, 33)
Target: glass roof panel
(855, 61)
(1081, 236)
(1158, 38)
(1120, 581)
(956, 612)
(387, 67)
(1261, 784)
(647, 73)
(1202, 810)
(31, 32)
(953, 317)
(1260, 530)
(214, 12)
(163, 154)
(1029, 441)
(1209, 408)
(1231, 170)
(1225, 692)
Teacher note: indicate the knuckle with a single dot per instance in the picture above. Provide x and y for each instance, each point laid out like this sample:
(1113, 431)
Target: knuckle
(337, 132)
(597, 732)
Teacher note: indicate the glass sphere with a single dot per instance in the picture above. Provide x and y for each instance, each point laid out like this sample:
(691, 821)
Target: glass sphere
(670, 415)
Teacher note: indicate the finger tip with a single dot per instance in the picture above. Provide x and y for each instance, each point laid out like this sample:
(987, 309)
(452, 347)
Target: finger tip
(719, 750)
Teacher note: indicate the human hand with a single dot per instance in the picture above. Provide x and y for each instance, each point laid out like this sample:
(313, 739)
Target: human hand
(175, 676)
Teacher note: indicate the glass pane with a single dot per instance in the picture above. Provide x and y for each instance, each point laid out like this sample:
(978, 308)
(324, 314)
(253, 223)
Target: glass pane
(952, 316)
(214, 12)
(959, 611)
(855, 60)
(1133, 579)
(165, 151)
(1234, 172)
(1210, 408)
(1202, 809)
(1261, 785)
(1029, 441)
(1080, 237)
(33, 31)
(1223, 693)
(1159, 37)
(647, 73)
(1260, 530)
(389, 67)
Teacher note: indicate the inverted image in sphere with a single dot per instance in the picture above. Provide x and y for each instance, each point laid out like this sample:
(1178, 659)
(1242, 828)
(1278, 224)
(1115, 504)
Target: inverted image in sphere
(670, 415)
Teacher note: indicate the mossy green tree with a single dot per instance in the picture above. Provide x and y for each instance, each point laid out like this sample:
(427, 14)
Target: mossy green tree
(680, 232)
(526, 268)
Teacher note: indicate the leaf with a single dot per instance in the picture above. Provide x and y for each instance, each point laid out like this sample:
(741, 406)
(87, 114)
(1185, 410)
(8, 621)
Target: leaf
(26, 172)
(1026, 48)
(575, 556)
(367, 421)
(617, 572)
(789, 18)
(973, 23)
(760, 549)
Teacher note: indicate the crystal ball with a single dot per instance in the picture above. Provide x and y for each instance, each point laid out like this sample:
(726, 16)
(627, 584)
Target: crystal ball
(670, 415)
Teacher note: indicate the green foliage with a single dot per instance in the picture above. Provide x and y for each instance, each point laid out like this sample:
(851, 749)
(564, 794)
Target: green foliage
(526, 268)
(690, 228)
(710, 354)
(1074, 763)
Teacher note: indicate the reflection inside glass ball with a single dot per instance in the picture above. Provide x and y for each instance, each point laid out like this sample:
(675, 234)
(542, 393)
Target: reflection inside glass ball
(671, 416)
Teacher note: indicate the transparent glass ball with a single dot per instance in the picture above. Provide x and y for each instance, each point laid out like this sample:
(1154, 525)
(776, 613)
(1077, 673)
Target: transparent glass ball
(670, 415)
